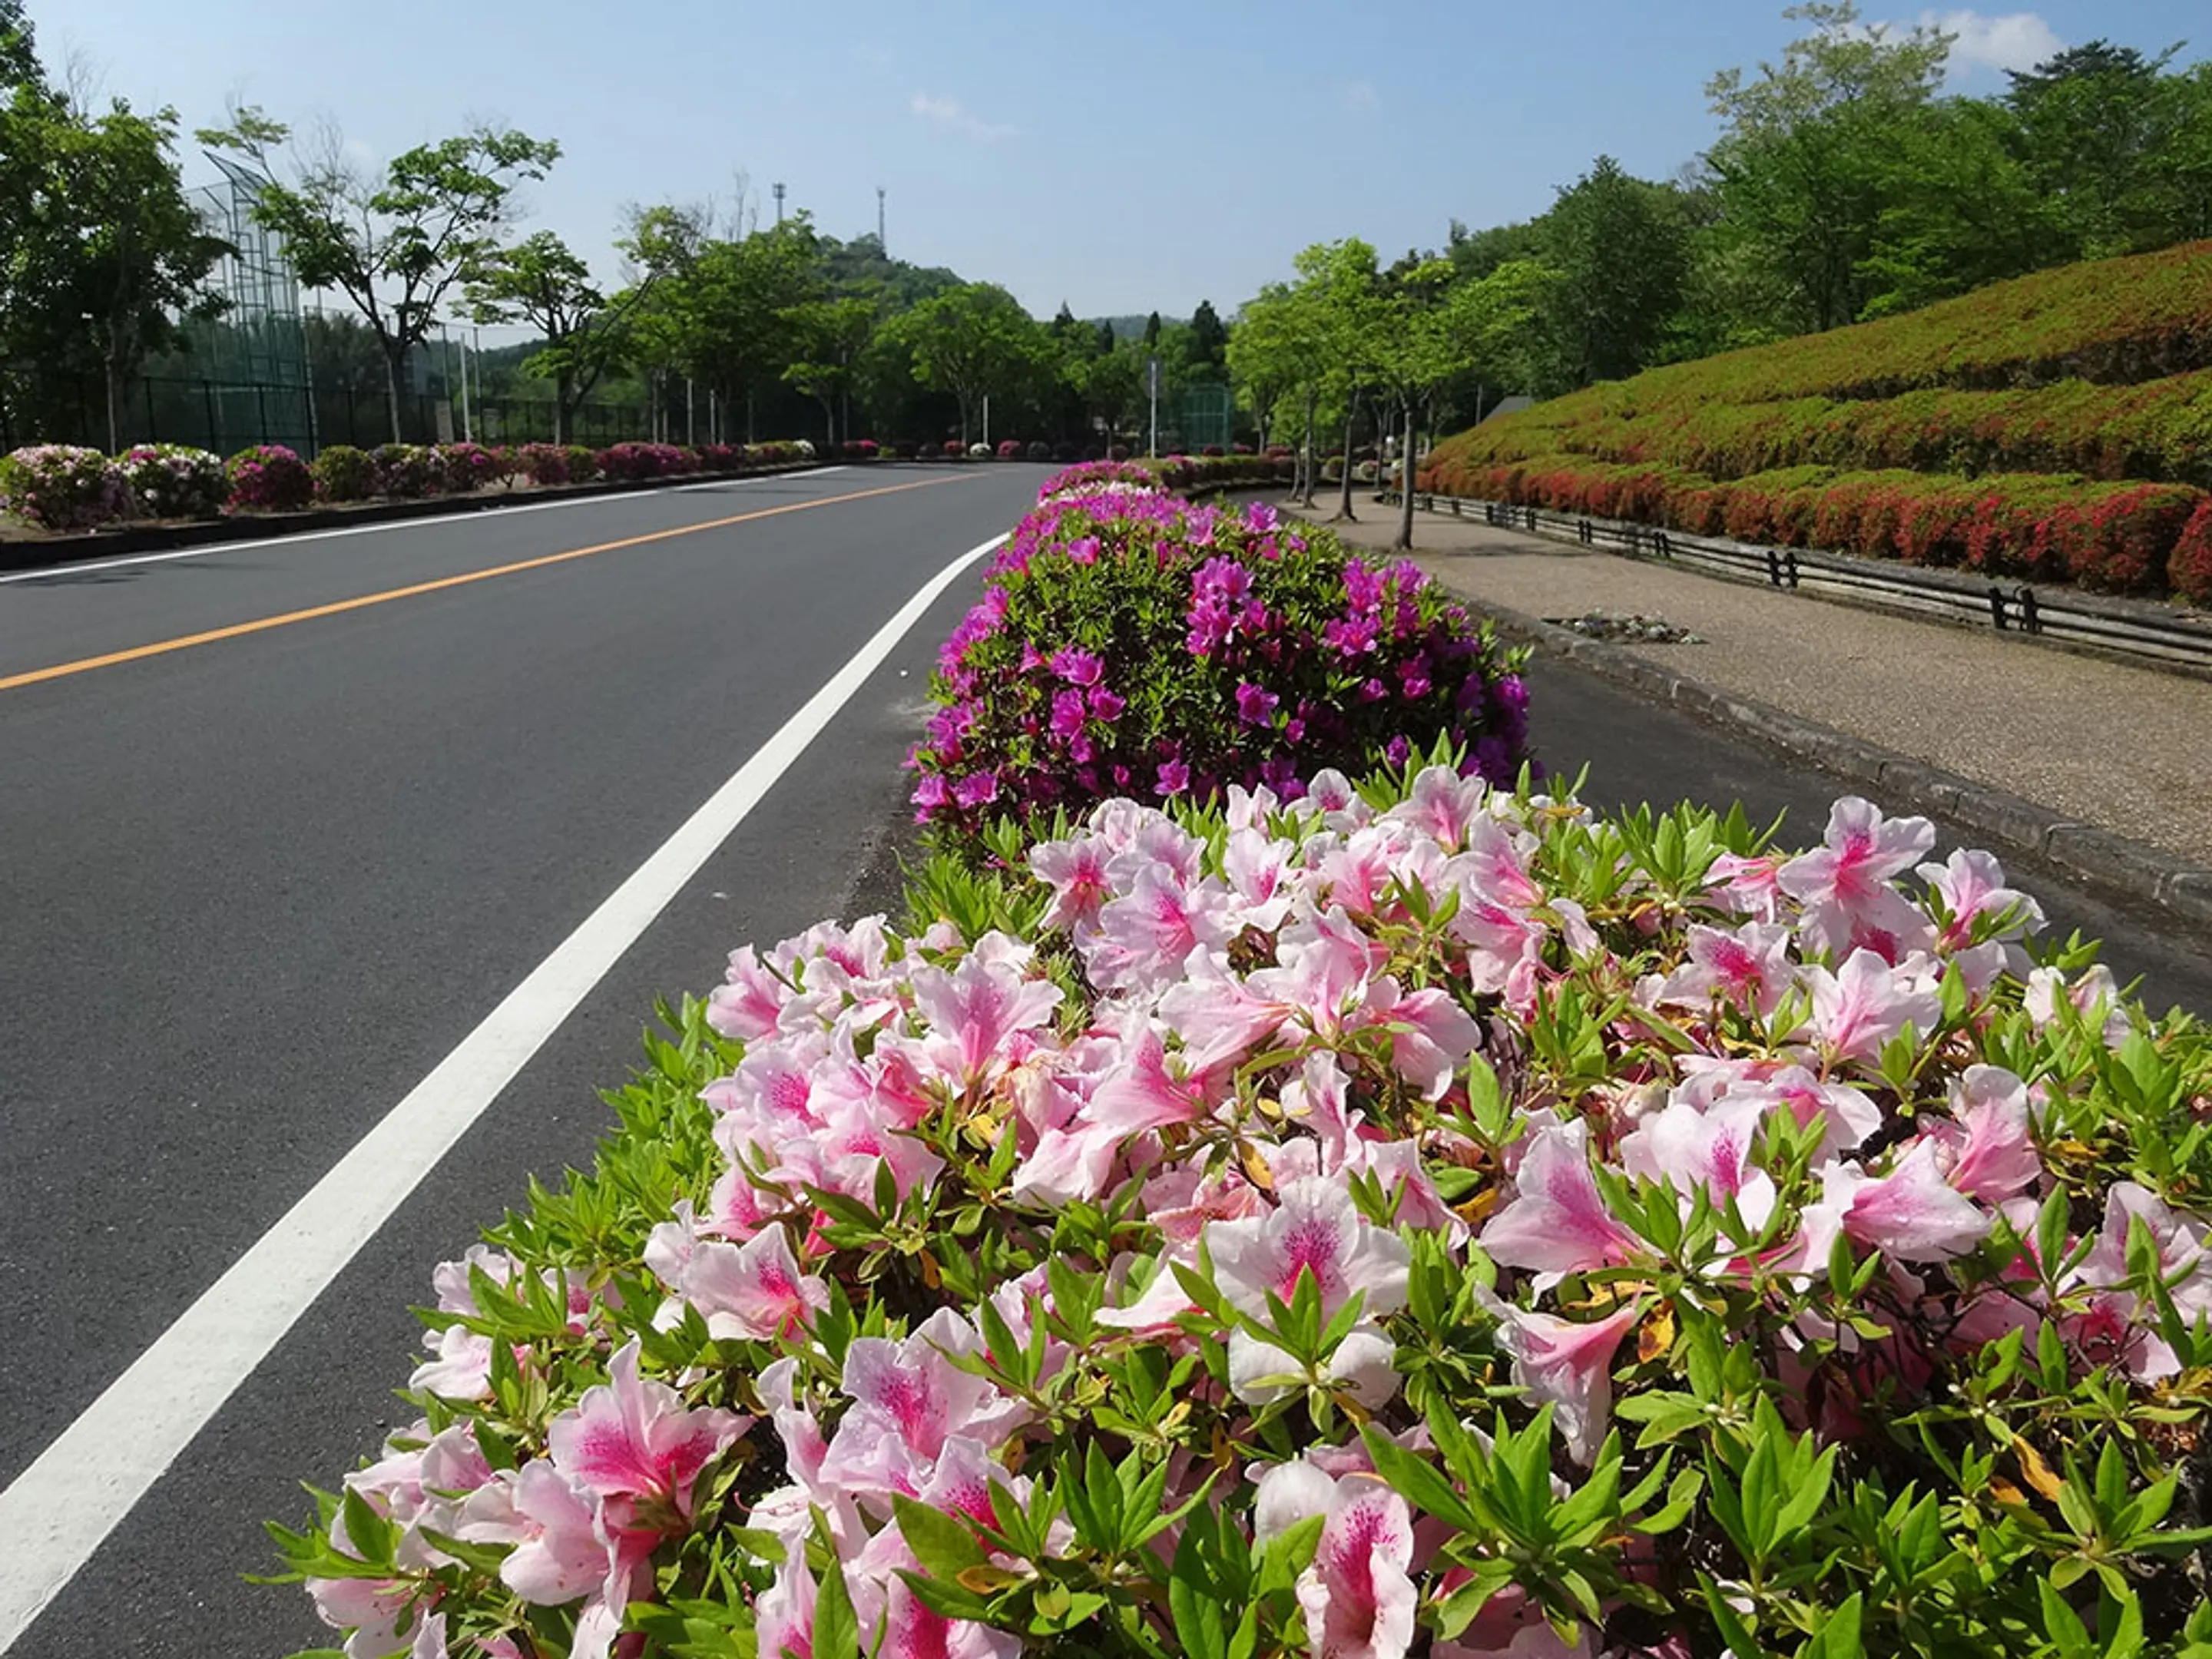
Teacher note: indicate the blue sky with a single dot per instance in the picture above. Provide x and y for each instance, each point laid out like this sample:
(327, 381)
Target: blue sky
(1123, 158)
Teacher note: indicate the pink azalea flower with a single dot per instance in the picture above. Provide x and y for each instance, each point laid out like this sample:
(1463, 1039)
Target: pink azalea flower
(1556, 1221)
(1075, 870)
(634, 1437)
(1357, 1595)
(1912, 1212)
(909, 1398)
(462, 1369)
(1745, 886)
(1566, 1363)
(1988, 1153)
(1315, 1231)
(1972, 885)
(754, 1291)
(883, 1601)
(1443, 806)
(1863, 850)
(783, 1617)
(1431, 1037)
(1749, 967)
(1860, 1009)
(560, 1551)
(2096, 992)
(1710, 1149)
(976, 1011)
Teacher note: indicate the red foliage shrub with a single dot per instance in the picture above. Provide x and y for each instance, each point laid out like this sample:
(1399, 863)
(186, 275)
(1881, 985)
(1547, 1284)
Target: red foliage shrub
(2189, 567)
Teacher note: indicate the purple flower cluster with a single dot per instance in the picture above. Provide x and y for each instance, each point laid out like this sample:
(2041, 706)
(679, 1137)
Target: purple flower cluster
(1129, 642)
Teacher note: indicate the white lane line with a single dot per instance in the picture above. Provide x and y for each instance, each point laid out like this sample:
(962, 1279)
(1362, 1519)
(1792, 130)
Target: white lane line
(56, 1513)
(48, 573)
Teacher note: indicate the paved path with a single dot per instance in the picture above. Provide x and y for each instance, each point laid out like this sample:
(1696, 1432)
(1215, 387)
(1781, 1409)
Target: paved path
(2127, 749)
(255, 889)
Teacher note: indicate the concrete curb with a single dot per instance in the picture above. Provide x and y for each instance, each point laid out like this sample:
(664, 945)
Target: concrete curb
(2012, 824)
(267, 526)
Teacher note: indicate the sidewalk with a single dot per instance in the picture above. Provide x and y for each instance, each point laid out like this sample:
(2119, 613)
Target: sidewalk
(2127, 750)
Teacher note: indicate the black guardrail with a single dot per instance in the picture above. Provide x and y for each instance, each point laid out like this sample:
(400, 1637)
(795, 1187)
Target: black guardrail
(2082, 620)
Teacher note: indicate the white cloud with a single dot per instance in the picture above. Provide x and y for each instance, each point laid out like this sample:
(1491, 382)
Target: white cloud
(1360, 94)
(951, 113)
(2017, 40)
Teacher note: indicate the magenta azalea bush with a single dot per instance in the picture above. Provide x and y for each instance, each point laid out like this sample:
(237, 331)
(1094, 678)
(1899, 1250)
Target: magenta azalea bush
(62, 486)
(174, 481)
(408, 472)
(1409, 1219)
(643, 461)
(1131, 643)
(268, 478)
(464, 468)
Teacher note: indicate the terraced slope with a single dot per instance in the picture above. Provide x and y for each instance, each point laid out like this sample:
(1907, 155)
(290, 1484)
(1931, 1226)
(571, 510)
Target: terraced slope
(2057, 427)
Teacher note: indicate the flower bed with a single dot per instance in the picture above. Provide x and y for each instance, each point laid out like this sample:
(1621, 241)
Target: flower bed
(2120, 538)
(1131, 642)
(174, 480)
(1408, 1218)
(61, 487)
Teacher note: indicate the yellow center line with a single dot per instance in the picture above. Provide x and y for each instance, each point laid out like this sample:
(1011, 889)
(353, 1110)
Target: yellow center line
(161, 647)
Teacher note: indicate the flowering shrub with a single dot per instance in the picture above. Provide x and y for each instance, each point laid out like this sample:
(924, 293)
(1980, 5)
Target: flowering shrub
(268, 478)
(407, 472)
(343, 473)
(954, 450)
(544, 464)
(2190, 568)
(1411, 1219)
(629, 461)
(2112, 536)
(1009, 449)
(174, 480)
(583, 463)
(1039, 450)
(61, 487)
(464, 468)
(1129, 642)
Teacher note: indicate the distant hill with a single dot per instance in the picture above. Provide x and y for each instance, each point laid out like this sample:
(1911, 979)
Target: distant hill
(1132, 328)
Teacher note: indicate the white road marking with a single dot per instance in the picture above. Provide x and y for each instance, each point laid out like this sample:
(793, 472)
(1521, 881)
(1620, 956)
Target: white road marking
(47, 572)
(57, 1512)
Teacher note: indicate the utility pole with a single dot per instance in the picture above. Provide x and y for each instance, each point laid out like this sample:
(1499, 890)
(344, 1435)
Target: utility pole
(778, 188)
(882, 246)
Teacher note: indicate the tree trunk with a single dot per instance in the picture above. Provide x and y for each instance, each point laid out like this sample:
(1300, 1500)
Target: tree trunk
(561, 403)
(391, 362)
(1306, 449)
(112, 377)
(1343, 512)
(1406, 483)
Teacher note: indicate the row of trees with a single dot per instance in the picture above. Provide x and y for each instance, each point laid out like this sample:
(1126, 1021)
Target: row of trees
(1846, 184)
(102, 259)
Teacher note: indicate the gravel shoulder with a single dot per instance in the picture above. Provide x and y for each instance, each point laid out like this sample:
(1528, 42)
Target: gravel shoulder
(2126, 749)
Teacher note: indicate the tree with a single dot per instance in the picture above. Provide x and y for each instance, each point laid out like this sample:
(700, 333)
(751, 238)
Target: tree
(394, 246)
(726, 313)
(2096, 118)
(540, 282)
(143, 257)
(1208, 341)
(1338, 282)
(1960, 209)
(19, 56)
(834, 335)
(1799, 168)
(971, 340)
(1618, 246)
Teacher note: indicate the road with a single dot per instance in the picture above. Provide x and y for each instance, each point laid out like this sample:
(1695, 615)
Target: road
(255, 889)
(259, 883)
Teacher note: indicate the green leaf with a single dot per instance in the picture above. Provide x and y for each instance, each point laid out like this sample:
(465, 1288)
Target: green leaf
(942, 1543)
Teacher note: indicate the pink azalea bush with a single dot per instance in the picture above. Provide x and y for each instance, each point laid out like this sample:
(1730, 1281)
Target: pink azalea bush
(62, 486)
(1415, 1219)
(174, 481)
(464, 468)
(644, 461)
(1131, 642)
(268, 478)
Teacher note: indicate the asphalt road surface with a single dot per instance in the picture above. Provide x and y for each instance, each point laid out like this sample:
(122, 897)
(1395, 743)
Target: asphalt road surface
(300, 815)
